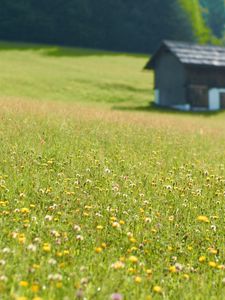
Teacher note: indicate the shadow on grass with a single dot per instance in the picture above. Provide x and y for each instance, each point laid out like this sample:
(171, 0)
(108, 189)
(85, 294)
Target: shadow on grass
(61, 51)
(153, 108)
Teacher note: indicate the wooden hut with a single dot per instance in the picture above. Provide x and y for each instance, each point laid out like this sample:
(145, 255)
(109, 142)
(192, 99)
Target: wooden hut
(189, 76)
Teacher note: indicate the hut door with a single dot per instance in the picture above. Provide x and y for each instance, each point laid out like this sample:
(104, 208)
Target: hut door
(199, 96)
(222, 100)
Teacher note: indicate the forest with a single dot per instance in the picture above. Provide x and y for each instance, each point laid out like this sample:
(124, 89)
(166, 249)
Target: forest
(119, 25)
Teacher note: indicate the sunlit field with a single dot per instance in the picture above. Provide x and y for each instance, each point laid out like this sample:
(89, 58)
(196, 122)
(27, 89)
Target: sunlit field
(102, 197)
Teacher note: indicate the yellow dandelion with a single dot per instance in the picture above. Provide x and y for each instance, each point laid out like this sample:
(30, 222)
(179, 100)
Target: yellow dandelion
(212, 250)
(98, 249)
(25, 210)
(99, 227)
(149, 272)
(66, 252)
(172, 269)
(21, 238)
(203, 219)
(202, 259)
(132, 271)
(212, 264)
(137, 279)
(133, 259)
(103, 245)
(24, 283)
(46, 247)
(157, 289)
(186, 276)
(132, 240)
(35, 288)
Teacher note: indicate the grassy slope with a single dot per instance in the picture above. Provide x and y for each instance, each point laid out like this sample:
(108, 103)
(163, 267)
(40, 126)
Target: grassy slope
(73, 75)
(134, 181)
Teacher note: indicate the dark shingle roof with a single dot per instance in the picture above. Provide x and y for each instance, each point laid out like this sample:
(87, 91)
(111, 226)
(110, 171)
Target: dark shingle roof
(192, 54)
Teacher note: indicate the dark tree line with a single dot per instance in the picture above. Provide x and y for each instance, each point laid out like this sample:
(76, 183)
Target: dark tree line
(127, 25)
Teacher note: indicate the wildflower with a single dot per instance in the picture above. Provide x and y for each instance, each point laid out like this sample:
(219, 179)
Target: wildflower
(55, 277)
(48, 218)
(149, 272)
(212, 250)
(157, 289)
(35, 288)
(171, 218)
(46, 247)
(202, 259)
(103, 245)
(99, 227)
(6, 250)
(32, 247)
(55, 233)
(21, 238)
(132, 270)
(52, 261)
(172, 269)
(178, 267)
(116, 225)
(118, 265)
(3, 278)
(24, 283)
(77, 228)
(25, 210)
(148, 220)
(116, 296)
(137, 279)
(203, 219)
(133, 259)
(132, 240)
(79, 238)
(186, 276)
(98, 249)
(212, 264)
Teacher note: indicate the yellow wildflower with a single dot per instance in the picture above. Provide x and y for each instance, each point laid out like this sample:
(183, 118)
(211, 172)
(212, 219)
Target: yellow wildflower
(157, 289)
(35, 288)
(203, 219)
(46, 247)
(137, 279)
(133, 259)
(212, 264)
(25, 210)
(98, 249)
(202, 259)
(23, 283)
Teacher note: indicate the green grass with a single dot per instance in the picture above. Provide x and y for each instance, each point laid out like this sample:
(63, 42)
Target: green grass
(64, 74)
(95, 200)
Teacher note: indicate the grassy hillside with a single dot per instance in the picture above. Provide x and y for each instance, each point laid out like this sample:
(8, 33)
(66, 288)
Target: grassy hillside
(77, 75)
(98, 203)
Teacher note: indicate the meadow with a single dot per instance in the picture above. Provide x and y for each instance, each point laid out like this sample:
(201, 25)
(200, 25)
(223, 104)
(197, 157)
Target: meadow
(102, 196)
